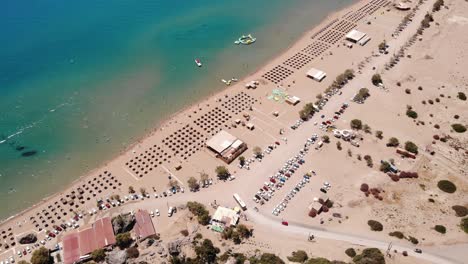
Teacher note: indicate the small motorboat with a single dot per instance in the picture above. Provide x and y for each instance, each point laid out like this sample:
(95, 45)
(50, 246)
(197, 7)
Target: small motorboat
(198, 62)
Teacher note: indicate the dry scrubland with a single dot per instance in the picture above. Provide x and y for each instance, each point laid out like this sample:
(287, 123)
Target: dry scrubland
(422, 98)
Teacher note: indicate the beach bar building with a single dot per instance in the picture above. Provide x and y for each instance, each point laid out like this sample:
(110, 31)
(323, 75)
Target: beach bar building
(359, 37)
(226, 146)
(144, 225)
(225, 217)
(317, 75)
(77, 246)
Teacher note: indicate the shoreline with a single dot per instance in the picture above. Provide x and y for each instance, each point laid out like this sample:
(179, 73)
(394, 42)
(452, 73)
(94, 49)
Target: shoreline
(168, 120)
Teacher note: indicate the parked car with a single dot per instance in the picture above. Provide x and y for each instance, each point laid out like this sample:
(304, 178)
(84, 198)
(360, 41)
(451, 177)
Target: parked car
(285, 223)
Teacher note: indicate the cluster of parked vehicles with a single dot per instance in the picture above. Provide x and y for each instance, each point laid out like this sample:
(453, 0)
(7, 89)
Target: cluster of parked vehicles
(275, 182)
(259, 158)
(326, 123)
(297, 124)
(283, 204)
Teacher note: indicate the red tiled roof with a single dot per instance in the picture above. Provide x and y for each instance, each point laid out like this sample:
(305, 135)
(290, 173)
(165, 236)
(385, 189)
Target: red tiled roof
(144, 226)
(99, 235)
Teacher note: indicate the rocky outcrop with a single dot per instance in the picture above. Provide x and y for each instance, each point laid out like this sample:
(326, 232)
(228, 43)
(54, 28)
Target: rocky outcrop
(28, 239)
(123, 223)
(116, 257)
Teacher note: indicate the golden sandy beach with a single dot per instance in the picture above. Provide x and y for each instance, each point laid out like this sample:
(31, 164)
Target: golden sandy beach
(417, 70)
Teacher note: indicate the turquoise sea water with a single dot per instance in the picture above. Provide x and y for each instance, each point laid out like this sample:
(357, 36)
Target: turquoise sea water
(81, 80)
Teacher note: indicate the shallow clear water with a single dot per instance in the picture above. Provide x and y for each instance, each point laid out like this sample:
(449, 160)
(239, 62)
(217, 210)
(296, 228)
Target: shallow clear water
(80, 80)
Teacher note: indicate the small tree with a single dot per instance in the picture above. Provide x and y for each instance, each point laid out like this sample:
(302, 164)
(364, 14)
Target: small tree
(385, 166)
(461, 96)
(367, 128)
(242, 160)
(131, 189)
(203, 176)
(413, 240)
(173, 184)
(440, 228)
(464, 224)
(244, 232)
(222, 172)
(350, 153)
(326, 139)
(299, 256)
(41, 256)
(447, 186)
(98, 255)
(379, 134)
(393, 142)
(459, 128)
(257, 151)
(460, 210)
(382, 45)
(143, 191)
(411, 113)
(349, 74)
(338, 145)
(376, 79)
(375, 225)
(369, 255)
(411, 147)
(123, 240)
(350, 252)
(206, 252)
(193, 184)
(356, 124)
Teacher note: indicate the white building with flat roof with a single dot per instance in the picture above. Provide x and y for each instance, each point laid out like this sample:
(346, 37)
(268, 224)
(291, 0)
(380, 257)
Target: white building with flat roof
(359, 37)
(317, 75)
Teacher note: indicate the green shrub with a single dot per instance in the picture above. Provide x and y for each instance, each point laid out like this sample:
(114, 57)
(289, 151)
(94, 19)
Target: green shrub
(200, 211)
(370, 255)
(411, 147)
(413, 240)
(464, 224)
(440, 228)
(397, 234)
(393, 142)
(446, 186)
(375, 225)
(459, 128)
(356, 124)
(298, 256)
(460, 210)
(461, 96)
(376, 79)
(123, 240)
(350, 252)
(437, 5)
(319, 261)
(98, 255)
(411, 113)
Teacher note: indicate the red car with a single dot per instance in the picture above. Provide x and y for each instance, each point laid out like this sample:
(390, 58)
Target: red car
(273, 180)
(51, 234)
(265, 188)
(285, 223)
(277, 143)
